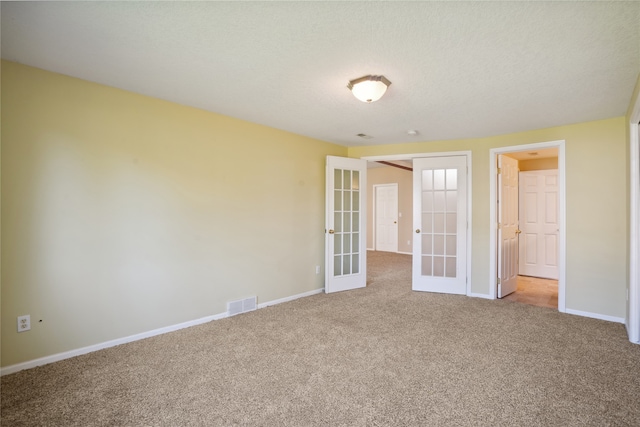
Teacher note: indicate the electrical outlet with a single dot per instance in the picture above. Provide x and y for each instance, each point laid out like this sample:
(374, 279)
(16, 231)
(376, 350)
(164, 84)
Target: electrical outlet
(24, 323)
(317, 269)
(408, 242)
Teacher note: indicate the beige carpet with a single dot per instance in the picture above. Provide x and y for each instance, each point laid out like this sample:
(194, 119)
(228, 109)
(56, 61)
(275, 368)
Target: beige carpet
(378, 356)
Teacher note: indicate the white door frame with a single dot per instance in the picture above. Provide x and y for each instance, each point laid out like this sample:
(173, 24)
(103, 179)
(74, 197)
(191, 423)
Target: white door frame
(632, 320)
(375, 212)
(493, 222)
(469, 192)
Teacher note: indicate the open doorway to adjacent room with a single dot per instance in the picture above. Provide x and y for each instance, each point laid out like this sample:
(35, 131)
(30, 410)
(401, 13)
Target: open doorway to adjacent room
(390, 206)
(529, 195)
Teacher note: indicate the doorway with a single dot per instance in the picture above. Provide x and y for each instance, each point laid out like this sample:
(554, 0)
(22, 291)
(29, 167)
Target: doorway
(385, 217)
(531, 157)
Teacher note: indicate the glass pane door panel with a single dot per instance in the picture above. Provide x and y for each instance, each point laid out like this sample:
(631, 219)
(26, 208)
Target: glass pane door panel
(438, 201)
(337, 178)
(347, 222)
(337, 246)
(452, 201)
(438, 244)
(347, 200)
(438, 179)
(427, 244)
(346, 264)
(427, 266)
(452, 223)
(452, 179)
(450, 244)
(347, 180)
(337, 222)
(427, 180)
(346, 243)
(427, 201)
(450, 267)
(337, 264)
(439, 221)
(438, 266)
(427, 222)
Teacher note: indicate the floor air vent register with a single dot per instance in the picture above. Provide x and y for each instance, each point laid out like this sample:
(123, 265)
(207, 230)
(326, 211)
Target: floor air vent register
(241, 306)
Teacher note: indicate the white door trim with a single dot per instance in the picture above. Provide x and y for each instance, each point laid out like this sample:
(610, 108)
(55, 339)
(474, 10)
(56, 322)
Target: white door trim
(375, 212)
(632, 320)
(493, 228)
(469, 192)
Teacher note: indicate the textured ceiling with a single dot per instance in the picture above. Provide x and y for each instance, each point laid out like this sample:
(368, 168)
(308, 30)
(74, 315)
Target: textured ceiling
(458, 69)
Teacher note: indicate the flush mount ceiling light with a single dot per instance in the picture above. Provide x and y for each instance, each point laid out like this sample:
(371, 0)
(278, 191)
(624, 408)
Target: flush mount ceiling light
(369, 88)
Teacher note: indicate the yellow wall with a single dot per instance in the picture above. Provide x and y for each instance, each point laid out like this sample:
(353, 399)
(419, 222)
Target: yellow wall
(404, 179)
(596, 225)
(122, 213)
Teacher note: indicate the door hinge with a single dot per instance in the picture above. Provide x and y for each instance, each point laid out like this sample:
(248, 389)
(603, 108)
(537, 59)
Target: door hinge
(499, 171)
(498, 280)
(499, 226)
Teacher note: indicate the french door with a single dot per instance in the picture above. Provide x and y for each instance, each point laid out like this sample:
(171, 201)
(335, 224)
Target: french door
(440, 224)
(346, 204)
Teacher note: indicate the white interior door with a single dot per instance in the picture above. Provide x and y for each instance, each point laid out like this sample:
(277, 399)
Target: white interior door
(507, 225)
(539, 223)
(345, 244)
(440, 222)
(386, 213)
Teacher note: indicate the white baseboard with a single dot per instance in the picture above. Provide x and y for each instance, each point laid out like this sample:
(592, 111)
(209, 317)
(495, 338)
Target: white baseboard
(291, 298)
(398, 252)
(485, 296)
(84, 350)
(595, 315)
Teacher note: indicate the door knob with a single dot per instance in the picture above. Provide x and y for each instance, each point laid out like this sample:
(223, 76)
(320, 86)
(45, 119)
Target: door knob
(518, 231)
(418, 231)
(331, 231)
(395, 222)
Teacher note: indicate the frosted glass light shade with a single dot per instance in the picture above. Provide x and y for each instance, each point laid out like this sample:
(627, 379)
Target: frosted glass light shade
(369, 88)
